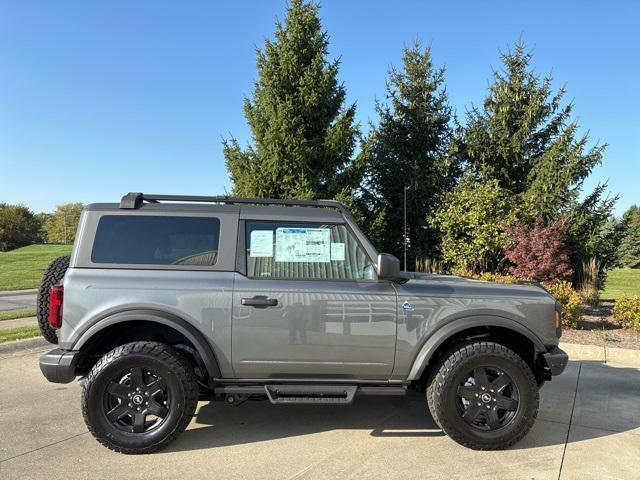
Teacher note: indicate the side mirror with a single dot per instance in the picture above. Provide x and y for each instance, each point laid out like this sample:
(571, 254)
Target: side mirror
(388, 267)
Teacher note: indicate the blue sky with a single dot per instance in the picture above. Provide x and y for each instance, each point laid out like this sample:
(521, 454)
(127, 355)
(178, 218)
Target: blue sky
(101, 98)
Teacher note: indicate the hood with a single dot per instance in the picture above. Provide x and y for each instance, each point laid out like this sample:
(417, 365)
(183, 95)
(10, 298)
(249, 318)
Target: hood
(429, 284)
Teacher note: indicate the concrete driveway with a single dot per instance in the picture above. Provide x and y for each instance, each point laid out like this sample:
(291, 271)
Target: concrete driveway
(17, 300)
(588, 427)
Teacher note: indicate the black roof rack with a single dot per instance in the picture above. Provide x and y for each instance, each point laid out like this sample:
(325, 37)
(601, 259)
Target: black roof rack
(135, 200)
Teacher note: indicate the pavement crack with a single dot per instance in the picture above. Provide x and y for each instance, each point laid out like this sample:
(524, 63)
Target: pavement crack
(573, 407)
(44, 446)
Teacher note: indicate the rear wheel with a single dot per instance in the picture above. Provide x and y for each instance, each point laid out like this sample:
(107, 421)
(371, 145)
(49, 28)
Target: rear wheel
(139, 397)
(484, 396)
(52, 276)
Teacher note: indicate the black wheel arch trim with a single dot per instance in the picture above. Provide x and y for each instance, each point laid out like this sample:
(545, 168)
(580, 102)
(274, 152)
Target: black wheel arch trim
(452, 328)
(202, 346)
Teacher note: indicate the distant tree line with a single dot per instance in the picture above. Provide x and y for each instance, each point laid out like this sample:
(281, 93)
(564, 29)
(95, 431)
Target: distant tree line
(501, 191)
(19, 226)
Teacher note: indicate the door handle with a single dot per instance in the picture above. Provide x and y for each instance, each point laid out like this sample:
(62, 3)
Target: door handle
(259, 301)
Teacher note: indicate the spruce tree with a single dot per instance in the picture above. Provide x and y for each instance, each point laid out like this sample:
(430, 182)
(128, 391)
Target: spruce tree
(303, 135)
(524, 138)
(629, 250)
(409, 148)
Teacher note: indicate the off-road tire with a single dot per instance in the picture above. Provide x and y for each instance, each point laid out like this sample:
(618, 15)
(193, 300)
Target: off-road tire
(52, 276)
(179, 376)
(443, 384)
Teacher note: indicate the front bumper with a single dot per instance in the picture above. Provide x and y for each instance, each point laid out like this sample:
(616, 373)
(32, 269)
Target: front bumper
(556, 360)
(59, 366)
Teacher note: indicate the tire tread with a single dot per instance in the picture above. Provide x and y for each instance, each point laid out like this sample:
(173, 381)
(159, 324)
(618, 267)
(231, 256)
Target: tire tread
(447, 365)
(53, 274)
(175, 361)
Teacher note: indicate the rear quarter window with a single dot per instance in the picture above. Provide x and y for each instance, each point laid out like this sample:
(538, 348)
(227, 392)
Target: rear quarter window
(156, 240)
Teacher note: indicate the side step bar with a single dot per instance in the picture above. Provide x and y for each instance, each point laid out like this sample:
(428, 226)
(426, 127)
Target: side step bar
(307, 393)
(324, 394)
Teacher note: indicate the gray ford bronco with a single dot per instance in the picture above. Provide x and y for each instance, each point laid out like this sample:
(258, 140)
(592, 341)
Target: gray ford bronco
(167, 300)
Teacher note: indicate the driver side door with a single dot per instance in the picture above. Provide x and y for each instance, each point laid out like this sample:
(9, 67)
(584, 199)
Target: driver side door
(310, 306)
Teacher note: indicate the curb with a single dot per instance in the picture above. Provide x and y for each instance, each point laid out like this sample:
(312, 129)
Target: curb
(597, 353)
(24, 346)
(6, 293)
(18, 322)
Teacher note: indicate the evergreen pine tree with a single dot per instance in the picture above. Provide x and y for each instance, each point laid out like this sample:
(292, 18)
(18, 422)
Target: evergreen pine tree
(524, 138)
(409, 148)
(303, 135)
(629, 250)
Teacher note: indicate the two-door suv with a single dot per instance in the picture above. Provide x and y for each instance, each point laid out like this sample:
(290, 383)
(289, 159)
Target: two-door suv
(167, 300)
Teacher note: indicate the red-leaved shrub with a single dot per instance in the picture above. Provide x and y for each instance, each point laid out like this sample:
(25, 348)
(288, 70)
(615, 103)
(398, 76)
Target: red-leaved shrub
(538, 253)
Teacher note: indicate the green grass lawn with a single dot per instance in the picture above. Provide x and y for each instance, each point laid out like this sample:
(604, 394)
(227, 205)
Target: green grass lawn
(22, 313)
(621, 281)
(22, 268)
(18, 333)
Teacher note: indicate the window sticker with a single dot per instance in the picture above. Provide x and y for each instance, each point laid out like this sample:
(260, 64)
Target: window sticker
(303, 245)
(261, 243)
(337, 252)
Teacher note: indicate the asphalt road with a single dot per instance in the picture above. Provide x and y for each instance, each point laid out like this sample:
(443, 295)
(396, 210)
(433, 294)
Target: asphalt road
(17, 300)
(588, 427)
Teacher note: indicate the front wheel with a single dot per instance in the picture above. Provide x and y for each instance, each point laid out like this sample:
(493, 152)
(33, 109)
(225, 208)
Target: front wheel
(484, 396)
(139, 397)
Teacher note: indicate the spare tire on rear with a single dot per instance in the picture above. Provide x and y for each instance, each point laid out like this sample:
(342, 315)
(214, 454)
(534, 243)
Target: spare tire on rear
(52, 276)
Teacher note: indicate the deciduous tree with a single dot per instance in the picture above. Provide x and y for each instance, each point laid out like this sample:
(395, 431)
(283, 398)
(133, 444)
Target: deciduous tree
(538, 252)
(61, 226)
(18, 226)
(473, 222)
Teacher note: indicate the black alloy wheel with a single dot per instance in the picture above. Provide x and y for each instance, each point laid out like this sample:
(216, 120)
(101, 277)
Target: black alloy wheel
(488, 398)
(137, 400)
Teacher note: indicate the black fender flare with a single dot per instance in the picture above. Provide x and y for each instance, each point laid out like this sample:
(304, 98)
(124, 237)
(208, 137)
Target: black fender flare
(450, 329)
(157, 316)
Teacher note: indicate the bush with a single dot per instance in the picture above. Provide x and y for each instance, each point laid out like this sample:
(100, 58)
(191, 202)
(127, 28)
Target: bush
(496, 277)
(537, 252)
(626, 311)
(472, 223)
(486, 276)
(570, 300)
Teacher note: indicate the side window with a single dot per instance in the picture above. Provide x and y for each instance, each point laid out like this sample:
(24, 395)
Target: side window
(156, 240)
(305, 251)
